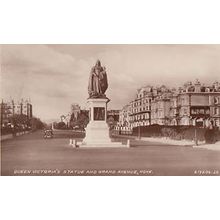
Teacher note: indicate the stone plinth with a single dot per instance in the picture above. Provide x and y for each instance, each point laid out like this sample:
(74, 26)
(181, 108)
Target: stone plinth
(97, 131)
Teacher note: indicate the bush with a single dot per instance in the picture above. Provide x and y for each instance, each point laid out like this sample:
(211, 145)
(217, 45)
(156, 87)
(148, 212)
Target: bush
(178, 132)
(6, 130)
(61, 125)
(211, 136)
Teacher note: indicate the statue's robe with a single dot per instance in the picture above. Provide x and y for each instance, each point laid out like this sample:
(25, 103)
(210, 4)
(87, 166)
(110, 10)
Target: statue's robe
(94, 86)
(97, 82)
(103, 81)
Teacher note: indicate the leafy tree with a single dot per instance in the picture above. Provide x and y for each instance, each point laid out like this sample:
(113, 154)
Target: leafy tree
(36, 123)
(61, 125)
(81, 121)
(19, 120)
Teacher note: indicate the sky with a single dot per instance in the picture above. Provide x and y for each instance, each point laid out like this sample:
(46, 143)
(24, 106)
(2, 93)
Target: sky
(55, 76)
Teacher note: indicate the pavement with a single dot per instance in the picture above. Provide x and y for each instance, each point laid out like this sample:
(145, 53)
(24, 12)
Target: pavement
(169, 141)
(215, 147)
(202, 144)
(31, 154)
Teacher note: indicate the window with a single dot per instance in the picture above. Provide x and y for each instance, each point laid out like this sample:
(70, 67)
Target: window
(182, 101)
(215, 100)
(216, 111)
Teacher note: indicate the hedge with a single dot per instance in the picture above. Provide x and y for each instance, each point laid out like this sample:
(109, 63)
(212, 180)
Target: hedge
(178, 132)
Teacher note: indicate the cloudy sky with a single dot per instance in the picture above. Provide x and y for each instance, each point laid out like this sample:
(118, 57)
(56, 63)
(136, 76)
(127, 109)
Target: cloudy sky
(55, 76)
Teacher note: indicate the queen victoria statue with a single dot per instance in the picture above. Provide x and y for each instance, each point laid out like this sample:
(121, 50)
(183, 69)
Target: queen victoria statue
(97, 130)
(98, 82)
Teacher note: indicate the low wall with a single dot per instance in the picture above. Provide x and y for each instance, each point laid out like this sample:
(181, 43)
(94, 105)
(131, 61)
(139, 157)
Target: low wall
(6, 137)
(10, 136)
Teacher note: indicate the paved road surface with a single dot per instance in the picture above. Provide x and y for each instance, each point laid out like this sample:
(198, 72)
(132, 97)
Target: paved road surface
(32, 155)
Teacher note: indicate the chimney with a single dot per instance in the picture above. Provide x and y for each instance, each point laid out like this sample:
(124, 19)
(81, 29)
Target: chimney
(197, 86)
(216, 85)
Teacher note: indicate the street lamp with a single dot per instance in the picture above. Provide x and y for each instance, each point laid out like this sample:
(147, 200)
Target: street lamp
(139, 132)
(195, 137)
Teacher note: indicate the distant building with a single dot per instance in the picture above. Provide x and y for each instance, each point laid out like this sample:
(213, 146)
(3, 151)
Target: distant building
(114, 114)
(124, 116)
(11, 108)
(66, 119)
(6, 113)
(75, 110)
(72, 115)
(77, 115)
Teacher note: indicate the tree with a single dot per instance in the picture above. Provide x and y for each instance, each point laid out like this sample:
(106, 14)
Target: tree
(36, 123)
(82, 120)
(61, 125)
(19, 119)
(111, 122)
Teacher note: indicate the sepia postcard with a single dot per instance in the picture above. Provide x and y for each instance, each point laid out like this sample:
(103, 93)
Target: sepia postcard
(110, 110)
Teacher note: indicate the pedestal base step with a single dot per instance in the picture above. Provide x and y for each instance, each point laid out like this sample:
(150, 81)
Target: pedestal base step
(102, 145)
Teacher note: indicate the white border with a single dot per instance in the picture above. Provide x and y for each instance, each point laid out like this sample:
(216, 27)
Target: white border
(158, 21)
(98, 21)
(110, 198)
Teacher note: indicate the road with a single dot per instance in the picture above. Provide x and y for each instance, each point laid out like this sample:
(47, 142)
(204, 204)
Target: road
(32, 155)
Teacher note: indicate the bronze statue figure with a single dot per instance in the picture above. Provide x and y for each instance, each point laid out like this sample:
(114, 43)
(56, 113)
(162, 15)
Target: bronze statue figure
(98, 82)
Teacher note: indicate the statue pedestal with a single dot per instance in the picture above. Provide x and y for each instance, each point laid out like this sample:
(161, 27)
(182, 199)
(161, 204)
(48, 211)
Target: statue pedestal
(97, 131)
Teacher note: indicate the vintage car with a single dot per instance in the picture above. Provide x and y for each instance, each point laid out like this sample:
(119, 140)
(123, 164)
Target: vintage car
(48, 133)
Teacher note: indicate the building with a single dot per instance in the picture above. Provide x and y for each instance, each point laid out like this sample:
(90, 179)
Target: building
(193, 104)
(72, 115)
(6, 113)
(141, 107)
(113, 114)
(198, 105)
(124, 116)
(160, 110)
(65, 119)
(75, 110)
(78, 115)
(160, 105)
(12, 108)
(26, 108)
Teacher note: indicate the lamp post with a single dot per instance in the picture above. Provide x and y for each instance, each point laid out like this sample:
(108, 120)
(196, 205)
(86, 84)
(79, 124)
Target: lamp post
(2, 113)
(195, 137)
(139, 132)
